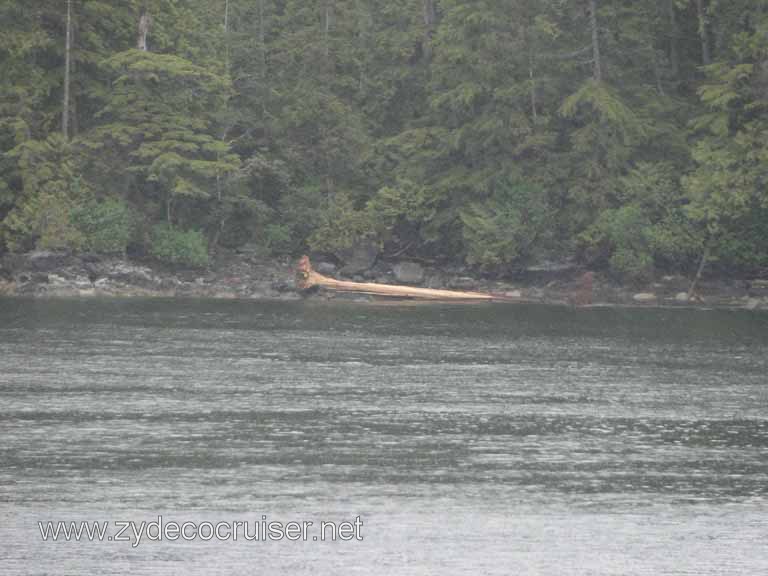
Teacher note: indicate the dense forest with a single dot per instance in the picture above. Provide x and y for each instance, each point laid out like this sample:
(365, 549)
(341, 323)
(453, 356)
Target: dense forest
(629, 135)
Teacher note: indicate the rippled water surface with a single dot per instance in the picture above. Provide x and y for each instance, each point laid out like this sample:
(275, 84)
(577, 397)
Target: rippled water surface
(487, 439)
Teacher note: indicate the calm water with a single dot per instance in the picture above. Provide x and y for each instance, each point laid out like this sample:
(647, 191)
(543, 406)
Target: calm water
(488, 439)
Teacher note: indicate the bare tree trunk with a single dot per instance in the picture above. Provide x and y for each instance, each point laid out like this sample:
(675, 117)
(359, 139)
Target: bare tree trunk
(596, 62)
(657, 74)
(218, 233)
(702, 264)
(327, 32)
(430, 18)
(706, 51)
(67, 66)
(674, 52)
(144, 23)
(364, 20)
(74, 126)
(531, 72)
(534, 106)
(226, 35)
(265, 93)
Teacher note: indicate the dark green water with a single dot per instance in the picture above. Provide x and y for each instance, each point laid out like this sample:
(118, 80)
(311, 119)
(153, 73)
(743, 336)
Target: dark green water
(470, 440)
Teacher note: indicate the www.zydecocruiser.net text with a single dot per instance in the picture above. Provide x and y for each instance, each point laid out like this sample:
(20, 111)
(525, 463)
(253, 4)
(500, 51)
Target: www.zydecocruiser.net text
(160, 530)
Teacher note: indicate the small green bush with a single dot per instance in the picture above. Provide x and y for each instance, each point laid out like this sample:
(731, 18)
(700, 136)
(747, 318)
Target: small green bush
(173, 246)
(107, 227)
(341, 225)
(506, 227)
(632, 265)
(277, 238)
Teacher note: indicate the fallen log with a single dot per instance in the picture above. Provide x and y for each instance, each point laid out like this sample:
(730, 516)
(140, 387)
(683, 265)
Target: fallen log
(307, 278)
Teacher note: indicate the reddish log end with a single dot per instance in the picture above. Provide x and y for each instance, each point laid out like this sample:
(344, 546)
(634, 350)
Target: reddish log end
(304, 273)
(583, 294)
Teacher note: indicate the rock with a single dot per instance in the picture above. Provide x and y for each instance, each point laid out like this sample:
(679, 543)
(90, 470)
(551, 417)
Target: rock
(358, 258)
(57, 281)
(281, 287)
(289, 296)
(34, 278)
(325, 267)
(82, 283)
(463, 283)
(130, 274)
(644, 297)
(408, 272)
(44, 260)
(224, 295)
(536, 293)
(351, 297)
(552, 266)
(250, 249)
(435, 282)
(549, 270)
(757, 288)
(681, 297)
(673, 283)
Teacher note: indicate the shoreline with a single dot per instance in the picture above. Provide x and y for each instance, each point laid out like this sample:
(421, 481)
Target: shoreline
(251, 277)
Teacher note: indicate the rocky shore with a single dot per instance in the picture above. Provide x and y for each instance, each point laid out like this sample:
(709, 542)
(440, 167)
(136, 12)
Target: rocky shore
(243, 275)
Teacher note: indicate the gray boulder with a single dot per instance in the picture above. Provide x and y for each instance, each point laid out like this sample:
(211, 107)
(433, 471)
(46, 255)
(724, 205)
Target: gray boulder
(644, 297)
(359, 258)
(408, 272)
(325, 267)
(463, 283)
(757, 288)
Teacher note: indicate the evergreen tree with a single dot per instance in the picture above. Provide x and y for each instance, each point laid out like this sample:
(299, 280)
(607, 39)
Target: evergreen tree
(630, 135)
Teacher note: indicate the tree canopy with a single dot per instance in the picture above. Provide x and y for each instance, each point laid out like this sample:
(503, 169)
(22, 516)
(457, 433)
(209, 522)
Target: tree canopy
(632, 136)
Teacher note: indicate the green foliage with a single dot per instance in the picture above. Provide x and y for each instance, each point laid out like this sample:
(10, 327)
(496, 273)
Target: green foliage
(50, 189)
(729, 185)
(633, 265)
(341, 225)
(506, 227)
(43, 222)
(747, 245)
(179, 247)
(314, 124)
(278, 239)
(646, 229)
(400, 211)
(609, 107)
(159, 115)
(106, 227)
(623, 234)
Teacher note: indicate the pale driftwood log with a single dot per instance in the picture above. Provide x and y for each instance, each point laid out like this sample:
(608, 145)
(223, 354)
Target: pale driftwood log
(307, 278)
